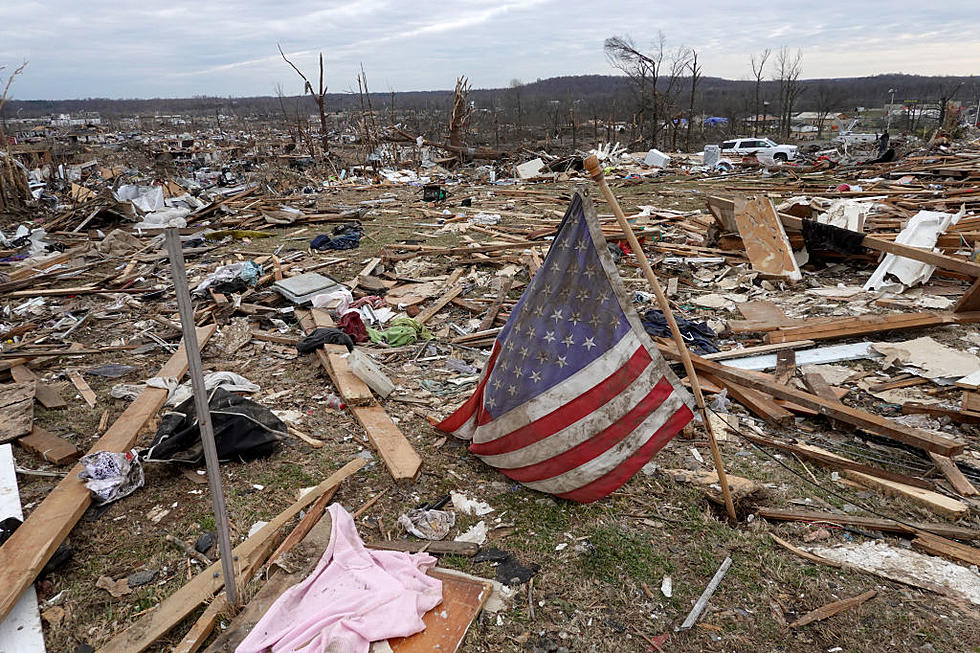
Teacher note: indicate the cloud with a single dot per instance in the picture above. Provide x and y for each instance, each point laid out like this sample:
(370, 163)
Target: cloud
(182, 48)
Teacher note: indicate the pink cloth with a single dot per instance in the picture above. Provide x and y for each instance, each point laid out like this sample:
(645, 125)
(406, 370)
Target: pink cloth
(355, 596)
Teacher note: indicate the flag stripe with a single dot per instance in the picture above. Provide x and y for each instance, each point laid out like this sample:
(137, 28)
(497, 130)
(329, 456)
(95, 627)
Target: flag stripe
(605, 462)
(612, 481)
(581, 430)
(598, 444)
(563, 416)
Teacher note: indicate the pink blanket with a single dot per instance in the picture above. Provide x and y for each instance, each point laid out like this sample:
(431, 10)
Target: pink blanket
(354, 596)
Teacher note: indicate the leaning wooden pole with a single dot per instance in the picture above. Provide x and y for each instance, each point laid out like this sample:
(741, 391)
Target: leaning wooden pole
(595, 171)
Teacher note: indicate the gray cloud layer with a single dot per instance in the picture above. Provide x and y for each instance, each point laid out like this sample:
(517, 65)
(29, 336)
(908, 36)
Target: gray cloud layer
(179, 48)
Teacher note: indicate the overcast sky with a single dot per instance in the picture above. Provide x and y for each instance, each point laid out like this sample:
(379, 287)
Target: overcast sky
(215, 47)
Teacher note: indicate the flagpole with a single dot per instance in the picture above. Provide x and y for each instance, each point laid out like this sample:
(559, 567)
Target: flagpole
(595, 171)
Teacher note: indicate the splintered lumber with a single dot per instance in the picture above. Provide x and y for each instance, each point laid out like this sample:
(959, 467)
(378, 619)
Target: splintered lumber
(20, 631)
(435, 547)
(252, 552)
(394, 449)
(864, 324)
(940, 546)
(16, 410)
(970, 300)
(431, 311)
(83, 388)
(446, 624)
(30, 547)
(49, 446)
(43, 393)
(870, 422)
(765, 240)
(354, 391)
(785, 366)
(816, 384)
(953, 474)
(939, 503)
(830, 609)
(834, 461)
(392, 446)
(868, 523)
(760, 404)
(706, 595)
(495, 307)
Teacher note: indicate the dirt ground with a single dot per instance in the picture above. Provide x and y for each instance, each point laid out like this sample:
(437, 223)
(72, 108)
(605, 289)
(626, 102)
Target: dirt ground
(602, 565)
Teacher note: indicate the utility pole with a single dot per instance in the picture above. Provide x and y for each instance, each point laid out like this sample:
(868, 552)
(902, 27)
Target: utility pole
(888, 110)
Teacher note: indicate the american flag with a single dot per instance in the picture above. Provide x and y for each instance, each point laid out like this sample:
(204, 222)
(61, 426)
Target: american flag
(575, 398)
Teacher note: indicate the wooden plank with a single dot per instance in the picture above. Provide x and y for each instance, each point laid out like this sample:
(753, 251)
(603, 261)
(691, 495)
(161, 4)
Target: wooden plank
(435, 547)
(49, 446)
(446, 624)
(816, 384)
(354, 391)
(394, 449)
(491, 315)
(430, 312)
(175, 608)
(953, 475)
(758, 403)
(833, 461)
(864, 324)
(830, 609)
(16, 410)
(971, 401)
(970, 300)
(960, 416)
(83, 388)
(45, 394)
(30, 547)
(868, 523)
(940, 546)
(20, 631)
(765, 240)
(785, 366)
(757, 349)
(934, 501)
(870, 422)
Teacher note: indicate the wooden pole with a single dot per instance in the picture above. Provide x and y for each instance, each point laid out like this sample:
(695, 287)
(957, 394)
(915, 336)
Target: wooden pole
(595, 171)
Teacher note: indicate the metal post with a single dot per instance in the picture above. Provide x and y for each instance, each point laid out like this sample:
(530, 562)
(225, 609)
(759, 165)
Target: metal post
(203, 412)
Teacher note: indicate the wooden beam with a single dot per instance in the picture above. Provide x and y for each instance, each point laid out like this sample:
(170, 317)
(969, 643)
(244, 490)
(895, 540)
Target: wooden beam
(759, 404)
(970, 300)
(176, 607)
(83, 388)
(491, 315)
(868, 523)
(30, 547)
(431, 311)
(49, 446)
(940, 546)
(934, 501)
(16, 410)
(953, 474)
(870, 422)
(830, 609)
(864, 324)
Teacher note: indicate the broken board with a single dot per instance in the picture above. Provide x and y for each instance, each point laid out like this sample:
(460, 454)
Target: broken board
(446, 624)
(49, 446)
(766, 243)
(45, 394)
(16, 410)
(20, 631)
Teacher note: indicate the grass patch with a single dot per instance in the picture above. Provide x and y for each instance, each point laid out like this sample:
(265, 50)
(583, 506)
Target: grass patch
(619, 554)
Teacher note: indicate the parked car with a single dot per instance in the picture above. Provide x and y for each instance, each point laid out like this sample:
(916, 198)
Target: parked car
(760, 147)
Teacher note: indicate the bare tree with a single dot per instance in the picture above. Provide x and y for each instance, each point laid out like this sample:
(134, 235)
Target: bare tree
(758, 70)
(318, 96)
(789, 66)
(695, 76)
(14, 187)
(516, 92)
(655, 100)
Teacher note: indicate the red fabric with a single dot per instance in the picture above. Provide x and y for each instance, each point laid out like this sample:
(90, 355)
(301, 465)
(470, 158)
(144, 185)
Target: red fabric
(352, 324)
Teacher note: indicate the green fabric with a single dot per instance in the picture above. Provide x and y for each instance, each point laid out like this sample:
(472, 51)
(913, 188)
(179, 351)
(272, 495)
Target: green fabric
(403, 331)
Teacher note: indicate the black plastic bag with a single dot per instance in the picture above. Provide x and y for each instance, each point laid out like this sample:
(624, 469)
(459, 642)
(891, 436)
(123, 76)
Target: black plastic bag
(243, 430)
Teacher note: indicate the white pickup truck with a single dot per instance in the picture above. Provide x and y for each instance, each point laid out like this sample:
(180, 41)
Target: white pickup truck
(760, 147)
